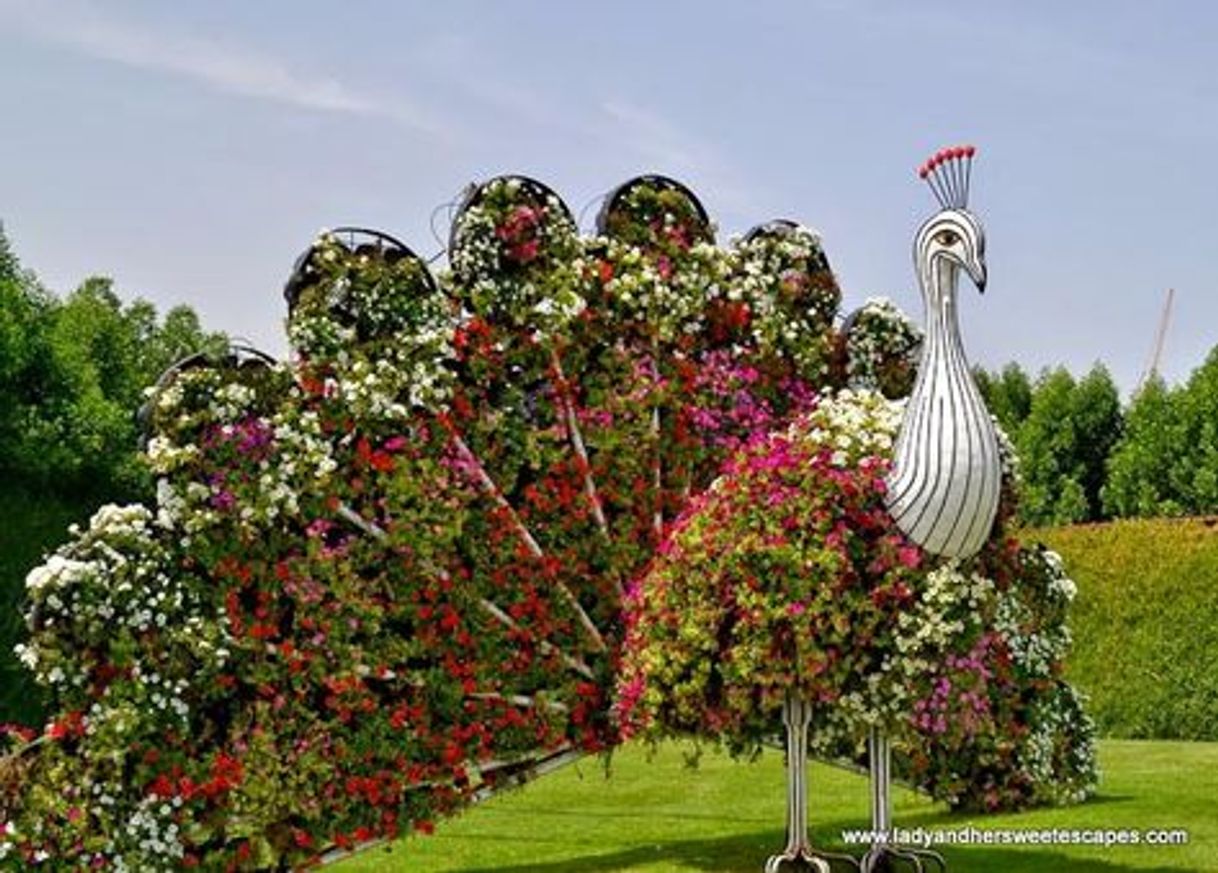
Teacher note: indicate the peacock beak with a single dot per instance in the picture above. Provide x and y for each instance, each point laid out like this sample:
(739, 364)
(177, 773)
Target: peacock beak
(977, 273)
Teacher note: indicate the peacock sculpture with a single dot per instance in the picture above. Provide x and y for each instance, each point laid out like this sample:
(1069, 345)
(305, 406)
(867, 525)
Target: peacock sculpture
(944, 488)
(390, 577)
(853, 575)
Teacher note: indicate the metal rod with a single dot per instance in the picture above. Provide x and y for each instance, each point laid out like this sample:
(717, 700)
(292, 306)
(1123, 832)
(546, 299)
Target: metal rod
(378, 533)
(796, 717)
(581, 452)
(879, 757)
(885, 852)
(489, 488)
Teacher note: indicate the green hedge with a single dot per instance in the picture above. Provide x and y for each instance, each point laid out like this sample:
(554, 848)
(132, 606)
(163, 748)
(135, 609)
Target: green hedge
(29, 526)
(1145, 624)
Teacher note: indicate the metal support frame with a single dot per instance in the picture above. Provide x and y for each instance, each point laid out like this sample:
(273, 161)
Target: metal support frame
(799, 853)
(884, 854)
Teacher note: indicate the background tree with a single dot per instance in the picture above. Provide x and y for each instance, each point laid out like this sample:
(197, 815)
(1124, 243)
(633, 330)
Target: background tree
(1064, 443)
(1140, 476)
(1008, 394)
(1195, 470)
(73, 377)
(1097, 420)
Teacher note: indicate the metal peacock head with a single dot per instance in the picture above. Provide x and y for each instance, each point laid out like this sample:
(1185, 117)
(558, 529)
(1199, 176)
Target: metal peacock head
(954, 234)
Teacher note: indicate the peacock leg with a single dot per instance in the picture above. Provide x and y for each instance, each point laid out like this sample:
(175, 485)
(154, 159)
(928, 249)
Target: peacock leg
(885, 854)
(799, 852)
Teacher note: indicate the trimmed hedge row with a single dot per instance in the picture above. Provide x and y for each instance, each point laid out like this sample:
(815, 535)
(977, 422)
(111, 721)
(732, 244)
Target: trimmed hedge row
(1145, 624)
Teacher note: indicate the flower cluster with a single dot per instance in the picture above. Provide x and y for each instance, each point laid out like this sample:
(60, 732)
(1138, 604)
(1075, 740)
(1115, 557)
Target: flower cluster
(663, 295)
(788, 576)
(515, 255)
(125, 636)
(658, 216)
(375, 294)
(881, 346)
(794, 295)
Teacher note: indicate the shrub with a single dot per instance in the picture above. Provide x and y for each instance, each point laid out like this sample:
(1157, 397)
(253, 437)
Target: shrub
(1145, 624)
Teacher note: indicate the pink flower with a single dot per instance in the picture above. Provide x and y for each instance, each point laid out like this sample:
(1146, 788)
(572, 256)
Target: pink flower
(910, 556)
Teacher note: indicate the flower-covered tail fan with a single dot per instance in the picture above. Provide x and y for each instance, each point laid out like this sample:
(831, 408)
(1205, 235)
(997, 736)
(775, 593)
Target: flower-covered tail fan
(395, 565)
(590, 388)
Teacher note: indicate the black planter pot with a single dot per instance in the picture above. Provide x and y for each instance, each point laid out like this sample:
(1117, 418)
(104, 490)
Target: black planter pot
(615, 199)
(538, 192)
(237, 356)
(358, 241)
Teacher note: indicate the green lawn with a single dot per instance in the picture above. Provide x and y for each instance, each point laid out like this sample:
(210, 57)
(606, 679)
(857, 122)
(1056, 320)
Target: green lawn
(657, 815)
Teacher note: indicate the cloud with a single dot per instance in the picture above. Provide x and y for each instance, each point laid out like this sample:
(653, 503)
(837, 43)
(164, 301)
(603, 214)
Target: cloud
(226, 68)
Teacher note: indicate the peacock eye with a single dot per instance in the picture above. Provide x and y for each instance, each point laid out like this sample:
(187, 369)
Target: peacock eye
(948, 237)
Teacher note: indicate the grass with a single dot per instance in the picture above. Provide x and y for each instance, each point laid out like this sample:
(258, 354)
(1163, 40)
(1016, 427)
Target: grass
(31, 525)
(1145, 624)
(656, 815)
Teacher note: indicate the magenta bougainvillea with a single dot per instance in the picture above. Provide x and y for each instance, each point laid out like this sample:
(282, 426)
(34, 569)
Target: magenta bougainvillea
(391, 573)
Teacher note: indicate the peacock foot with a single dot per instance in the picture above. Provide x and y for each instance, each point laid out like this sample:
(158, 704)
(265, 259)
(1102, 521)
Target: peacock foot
(890, 858)
(807, 858)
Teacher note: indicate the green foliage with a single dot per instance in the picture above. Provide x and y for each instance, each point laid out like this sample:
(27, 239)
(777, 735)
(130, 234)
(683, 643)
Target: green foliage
(1007, 393)
(72, 374)
(1145, 624)
(1140, 471)
(1167, 464)
(1063, 445)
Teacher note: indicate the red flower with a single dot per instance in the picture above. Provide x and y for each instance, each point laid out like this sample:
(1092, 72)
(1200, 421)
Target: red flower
(161, 787)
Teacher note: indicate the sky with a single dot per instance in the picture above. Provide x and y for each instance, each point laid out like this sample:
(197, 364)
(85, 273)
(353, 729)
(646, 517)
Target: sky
(191, 151)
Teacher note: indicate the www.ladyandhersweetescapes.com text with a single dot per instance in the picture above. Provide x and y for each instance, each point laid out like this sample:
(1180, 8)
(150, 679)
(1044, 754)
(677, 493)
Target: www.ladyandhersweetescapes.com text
(968, 835)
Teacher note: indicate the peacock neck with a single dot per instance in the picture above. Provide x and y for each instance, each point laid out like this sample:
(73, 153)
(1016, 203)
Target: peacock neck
(939, 279)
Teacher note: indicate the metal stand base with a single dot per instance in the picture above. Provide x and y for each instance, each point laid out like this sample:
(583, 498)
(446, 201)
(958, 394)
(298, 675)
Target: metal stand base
(884, 856)
(799, 853)
(889, 858)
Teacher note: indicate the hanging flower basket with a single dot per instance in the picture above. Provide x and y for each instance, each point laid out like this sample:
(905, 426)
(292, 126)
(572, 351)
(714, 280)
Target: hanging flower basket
(309, 271)
(357, 285)
(879, 348)
(782, 269)
(655, 213)
(239, 357)
(512, 249)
